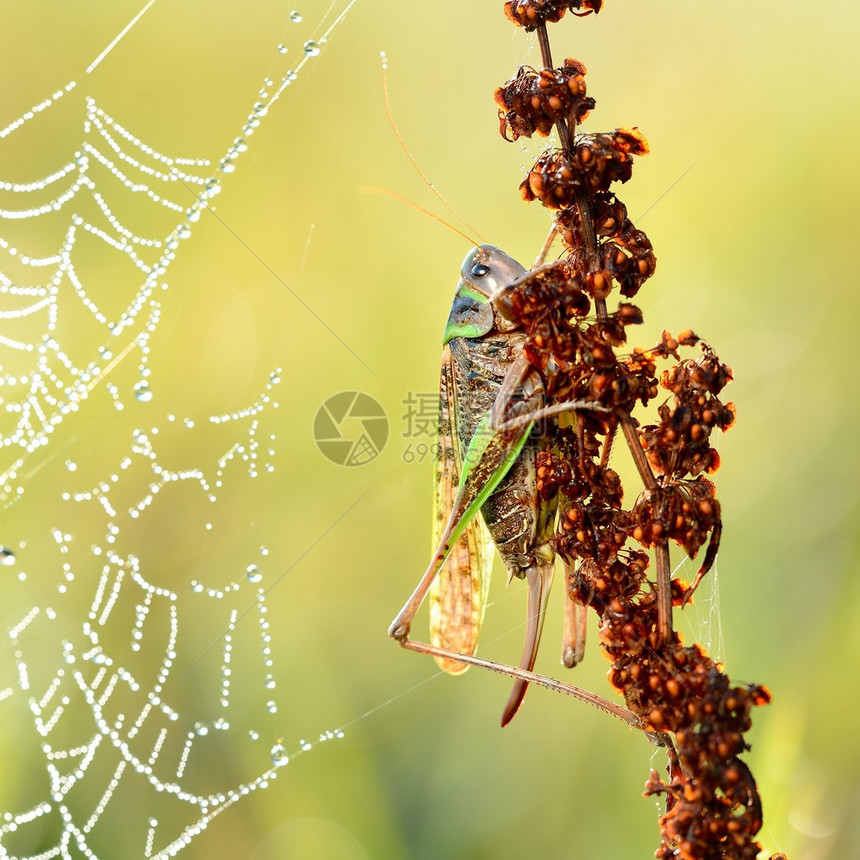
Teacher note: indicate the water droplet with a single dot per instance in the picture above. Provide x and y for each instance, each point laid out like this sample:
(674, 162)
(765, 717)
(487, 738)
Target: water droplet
(312, 49)
(272, 707)
(7, 557)
(253, 735)
(296, 17)
(253, 573)
(305, 745)
(71, 465)
(264, 550)
(201, 729)
(282, 49)
(142, 391)
(279, 755)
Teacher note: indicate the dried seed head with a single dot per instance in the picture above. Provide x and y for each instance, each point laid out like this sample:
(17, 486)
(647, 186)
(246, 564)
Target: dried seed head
(534, 101)
(683, 511)
(713, 808)
(534, 13)
(680, 444)
(597, 161)
(546, 303)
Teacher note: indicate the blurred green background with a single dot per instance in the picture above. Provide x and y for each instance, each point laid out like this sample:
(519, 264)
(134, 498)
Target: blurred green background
(752, 109)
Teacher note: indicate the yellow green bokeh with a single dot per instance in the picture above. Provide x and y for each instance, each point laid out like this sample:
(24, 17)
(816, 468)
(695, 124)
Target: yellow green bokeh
(751, 110)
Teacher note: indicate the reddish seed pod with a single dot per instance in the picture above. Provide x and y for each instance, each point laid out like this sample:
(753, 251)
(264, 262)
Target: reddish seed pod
(573, 337)
(597, 161)
(534, 13)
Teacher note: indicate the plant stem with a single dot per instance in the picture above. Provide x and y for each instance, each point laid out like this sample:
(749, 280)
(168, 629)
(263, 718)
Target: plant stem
(565, 136)
(664, 573)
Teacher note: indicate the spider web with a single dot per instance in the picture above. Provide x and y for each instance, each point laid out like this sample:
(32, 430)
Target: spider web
(96, 612)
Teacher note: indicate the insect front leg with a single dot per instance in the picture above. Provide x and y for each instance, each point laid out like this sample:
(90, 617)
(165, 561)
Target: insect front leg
(487, 461)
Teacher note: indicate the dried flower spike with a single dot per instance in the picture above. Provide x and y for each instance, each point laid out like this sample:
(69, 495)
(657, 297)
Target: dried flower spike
(713, 809)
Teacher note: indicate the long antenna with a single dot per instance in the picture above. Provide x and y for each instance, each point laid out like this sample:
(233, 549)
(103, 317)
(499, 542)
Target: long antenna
(375, 189)
(414, 163)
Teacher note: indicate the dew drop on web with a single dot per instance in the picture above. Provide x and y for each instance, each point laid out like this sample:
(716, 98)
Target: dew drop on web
(279, 755)
(134, 597)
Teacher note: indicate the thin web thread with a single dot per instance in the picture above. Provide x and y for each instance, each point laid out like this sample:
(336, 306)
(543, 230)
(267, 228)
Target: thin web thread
(88, 667)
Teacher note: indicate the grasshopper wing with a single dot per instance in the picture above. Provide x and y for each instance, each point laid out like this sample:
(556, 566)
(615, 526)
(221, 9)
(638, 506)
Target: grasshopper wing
(458, 595)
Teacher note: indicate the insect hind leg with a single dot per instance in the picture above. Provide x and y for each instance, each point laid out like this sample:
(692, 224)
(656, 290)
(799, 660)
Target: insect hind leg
(619, 711)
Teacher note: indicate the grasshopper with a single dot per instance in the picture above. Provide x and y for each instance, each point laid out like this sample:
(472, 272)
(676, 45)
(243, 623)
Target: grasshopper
(489, 401)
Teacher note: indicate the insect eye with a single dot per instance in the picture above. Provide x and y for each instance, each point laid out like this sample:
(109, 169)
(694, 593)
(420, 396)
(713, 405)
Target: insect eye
(479, 270)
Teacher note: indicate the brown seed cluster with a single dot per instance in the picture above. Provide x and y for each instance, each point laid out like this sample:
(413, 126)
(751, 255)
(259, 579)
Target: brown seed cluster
(713, 808)
(591, 521)
(575, 340)
(684, 512)
(680, 444)
(597, 160)
(534, 101)
(577, 356)
(713, 805)
(535, 13)
(546, 304)
(625, 257)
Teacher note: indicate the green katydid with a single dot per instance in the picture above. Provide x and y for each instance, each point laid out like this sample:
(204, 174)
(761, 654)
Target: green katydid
(490, 399)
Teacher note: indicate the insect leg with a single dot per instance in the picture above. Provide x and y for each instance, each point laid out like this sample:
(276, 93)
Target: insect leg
(575, 624)
(510, 384)
(487, 461)
(546, 246)
(524, 675)
(549, 411)
(399, 628)
(539, 579)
